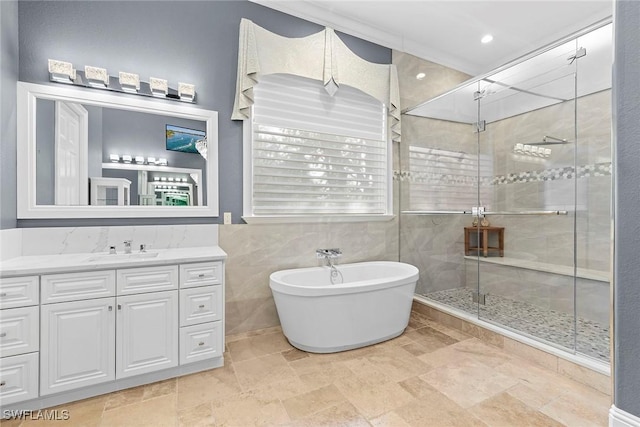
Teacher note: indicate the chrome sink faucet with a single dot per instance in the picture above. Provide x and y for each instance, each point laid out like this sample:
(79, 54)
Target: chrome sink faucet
(127, 246)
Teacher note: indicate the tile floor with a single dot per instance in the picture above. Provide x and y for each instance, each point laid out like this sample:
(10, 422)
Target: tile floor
(550, 325)
(429, 376)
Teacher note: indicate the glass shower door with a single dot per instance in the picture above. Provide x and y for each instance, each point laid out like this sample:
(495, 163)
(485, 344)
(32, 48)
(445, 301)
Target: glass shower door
(527, 147)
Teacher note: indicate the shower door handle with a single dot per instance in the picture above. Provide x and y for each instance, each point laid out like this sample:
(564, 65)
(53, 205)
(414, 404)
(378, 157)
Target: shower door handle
(527, 213)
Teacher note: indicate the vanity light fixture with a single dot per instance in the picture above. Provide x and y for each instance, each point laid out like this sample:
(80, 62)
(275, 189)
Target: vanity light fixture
(114, 158)
(126, 158)
(140, 160)
(96, 76)
(159, 87)
(123, 82)
(61, 71)
(162, 162)
(187, 92)
(129, 82)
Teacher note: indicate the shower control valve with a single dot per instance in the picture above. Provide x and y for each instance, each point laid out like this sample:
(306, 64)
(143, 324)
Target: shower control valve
(477, 211)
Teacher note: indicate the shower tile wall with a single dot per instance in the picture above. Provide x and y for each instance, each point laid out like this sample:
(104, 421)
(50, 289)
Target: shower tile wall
(550, 239)
(257, 250)
(433, 244)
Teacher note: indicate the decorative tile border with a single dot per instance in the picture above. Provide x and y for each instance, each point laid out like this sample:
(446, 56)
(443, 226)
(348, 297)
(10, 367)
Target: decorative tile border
(553, 174)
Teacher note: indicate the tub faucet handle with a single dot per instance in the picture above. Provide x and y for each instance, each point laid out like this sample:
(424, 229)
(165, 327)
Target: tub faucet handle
(328, 253)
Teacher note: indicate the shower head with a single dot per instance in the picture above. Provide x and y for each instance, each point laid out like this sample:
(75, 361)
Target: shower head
(550, 140)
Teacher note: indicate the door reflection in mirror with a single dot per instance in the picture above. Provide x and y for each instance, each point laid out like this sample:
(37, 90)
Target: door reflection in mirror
(74, 142)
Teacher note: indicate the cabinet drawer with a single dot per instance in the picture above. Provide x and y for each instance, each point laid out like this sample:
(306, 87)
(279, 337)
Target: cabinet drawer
(200, 305)
(200, 342)
(201, 274)
(78, 286)
(18, 378)
(147, 279)
(19, 292)
(19, 331)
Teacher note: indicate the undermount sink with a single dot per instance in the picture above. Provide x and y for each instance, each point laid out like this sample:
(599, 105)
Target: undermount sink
(121, 257)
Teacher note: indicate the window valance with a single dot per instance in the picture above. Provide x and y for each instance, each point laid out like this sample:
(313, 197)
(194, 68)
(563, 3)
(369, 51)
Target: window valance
(321, 56)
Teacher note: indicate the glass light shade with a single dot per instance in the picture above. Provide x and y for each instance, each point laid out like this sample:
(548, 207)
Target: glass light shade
(126, 158)
(96, 76)
(129, 82)
(159, 87)
(61, 71)
(115, 158)
(187, 91)
(140, 160)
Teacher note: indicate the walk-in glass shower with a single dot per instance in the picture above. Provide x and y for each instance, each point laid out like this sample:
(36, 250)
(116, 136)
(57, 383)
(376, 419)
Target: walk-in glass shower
(525, 152)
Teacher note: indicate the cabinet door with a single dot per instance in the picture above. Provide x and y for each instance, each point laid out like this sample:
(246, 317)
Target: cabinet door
(77, 344)
(147, 330)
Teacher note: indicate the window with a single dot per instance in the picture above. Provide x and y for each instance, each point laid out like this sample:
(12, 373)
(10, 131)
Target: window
(443, 180)
(309, 154)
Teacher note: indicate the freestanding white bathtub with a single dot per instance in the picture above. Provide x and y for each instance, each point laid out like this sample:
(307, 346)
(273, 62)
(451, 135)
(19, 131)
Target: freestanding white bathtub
(371, 305)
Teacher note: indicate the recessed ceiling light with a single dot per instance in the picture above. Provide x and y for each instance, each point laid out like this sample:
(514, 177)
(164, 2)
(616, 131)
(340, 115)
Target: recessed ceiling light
(420, 76)
(487, 38)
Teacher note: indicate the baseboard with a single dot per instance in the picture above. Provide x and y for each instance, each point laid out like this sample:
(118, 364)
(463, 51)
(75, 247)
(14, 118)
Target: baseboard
(620, 418)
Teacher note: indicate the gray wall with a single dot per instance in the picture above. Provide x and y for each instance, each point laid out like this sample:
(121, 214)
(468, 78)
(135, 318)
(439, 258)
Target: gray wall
(626, 126)
(138, 37)
(8, 137)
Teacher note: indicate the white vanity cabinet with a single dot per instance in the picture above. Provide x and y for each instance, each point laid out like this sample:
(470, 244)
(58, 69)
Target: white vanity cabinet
(87, 341)
(201, 311)
(19, 324)
(72, 335)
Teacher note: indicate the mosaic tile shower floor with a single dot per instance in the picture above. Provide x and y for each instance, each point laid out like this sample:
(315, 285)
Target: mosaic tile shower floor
(549, 325)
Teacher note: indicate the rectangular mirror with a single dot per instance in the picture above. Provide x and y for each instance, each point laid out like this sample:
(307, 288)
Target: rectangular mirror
(91, 154)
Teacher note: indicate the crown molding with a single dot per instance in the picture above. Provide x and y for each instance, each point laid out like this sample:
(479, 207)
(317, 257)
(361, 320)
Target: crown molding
(310, 12)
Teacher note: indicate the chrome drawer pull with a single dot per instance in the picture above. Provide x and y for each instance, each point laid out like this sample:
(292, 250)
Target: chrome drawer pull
(2, 383)
(201, 343)
(201, 275)
(201, 306)
(3, 294)
(2, 335)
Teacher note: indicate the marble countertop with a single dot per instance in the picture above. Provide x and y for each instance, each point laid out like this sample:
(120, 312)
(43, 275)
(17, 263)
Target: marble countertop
(69, 263)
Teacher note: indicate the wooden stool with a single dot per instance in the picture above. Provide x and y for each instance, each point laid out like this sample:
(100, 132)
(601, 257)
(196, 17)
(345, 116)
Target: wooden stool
(483, 240)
